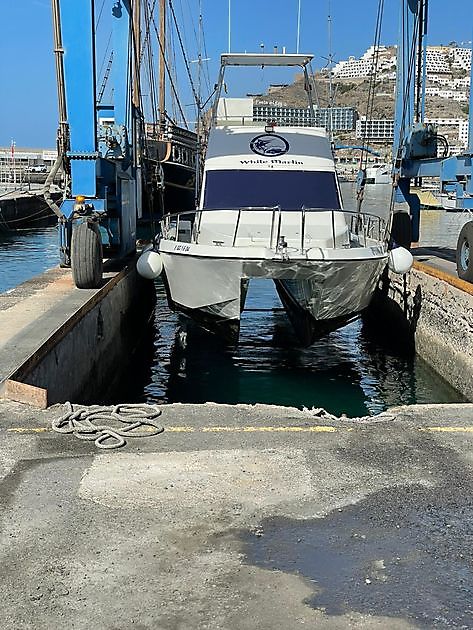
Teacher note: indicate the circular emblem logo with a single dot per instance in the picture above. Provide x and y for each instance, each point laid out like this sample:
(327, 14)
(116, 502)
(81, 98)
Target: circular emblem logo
(269, 144)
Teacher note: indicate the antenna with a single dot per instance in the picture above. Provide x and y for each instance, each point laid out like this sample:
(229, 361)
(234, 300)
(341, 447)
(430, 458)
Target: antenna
(229, 25)
(298, 25)
(330, 67)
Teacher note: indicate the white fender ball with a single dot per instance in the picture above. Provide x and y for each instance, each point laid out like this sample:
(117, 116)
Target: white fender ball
(149, 265)
(400, 260)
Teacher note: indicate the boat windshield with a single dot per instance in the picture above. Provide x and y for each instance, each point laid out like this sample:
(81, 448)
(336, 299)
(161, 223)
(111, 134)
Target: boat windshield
(291, 190)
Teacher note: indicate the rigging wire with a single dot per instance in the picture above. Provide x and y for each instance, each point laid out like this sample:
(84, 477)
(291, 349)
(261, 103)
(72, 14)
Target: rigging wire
(166, 65)
(100, 15)
(105, 79)
(372, 84)
(146, 38)
(172, 54)
(104, 58)
(184, 55)
(147, 54)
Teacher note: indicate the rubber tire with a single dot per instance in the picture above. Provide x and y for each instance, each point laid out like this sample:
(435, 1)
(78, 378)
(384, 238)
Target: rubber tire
(86, 256)
(465, 271)
(401, 230)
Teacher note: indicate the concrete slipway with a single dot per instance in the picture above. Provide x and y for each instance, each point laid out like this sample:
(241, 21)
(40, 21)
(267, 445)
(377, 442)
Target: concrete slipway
(240, 517)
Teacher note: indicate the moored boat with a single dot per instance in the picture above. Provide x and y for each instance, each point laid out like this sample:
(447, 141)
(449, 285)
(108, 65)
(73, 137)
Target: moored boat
(270, 207)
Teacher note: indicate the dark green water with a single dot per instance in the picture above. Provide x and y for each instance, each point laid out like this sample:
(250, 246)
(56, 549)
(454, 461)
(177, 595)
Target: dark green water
(346, 372)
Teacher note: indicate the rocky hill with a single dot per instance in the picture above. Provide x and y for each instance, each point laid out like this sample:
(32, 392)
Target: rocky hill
(354, 93)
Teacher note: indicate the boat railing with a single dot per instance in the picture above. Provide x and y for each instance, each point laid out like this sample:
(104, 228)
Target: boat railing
(258, 120)
(362, 228)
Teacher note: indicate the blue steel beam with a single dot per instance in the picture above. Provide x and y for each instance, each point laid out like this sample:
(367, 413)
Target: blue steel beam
(78, 37)
(404, 109)
(121, 72)
(470, 125)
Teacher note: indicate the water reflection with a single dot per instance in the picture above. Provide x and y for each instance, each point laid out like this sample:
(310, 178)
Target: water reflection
(346, 372)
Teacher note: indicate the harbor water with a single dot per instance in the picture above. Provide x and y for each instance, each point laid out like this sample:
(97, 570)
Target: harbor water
(345, 372)
(25, 254)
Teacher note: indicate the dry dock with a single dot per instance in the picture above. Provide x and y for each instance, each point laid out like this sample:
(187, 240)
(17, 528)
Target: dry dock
(235, 517)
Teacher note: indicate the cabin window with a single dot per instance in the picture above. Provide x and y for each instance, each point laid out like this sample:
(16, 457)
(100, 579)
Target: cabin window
(289, 189)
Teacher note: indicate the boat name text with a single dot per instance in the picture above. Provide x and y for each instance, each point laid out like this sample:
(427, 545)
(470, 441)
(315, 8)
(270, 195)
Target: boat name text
(271, 162)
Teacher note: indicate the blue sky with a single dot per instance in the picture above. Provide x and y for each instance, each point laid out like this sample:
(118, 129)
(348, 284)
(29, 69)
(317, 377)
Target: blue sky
(28, 111)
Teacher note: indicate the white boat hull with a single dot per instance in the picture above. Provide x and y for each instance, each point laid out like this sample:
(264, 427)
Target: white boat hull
(326, 293)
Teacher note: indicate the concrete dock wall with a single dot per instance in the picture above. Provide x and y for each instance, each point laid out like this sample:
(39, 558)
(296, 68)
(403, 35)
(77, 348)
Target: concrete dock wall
(87, 356)
(438, 311)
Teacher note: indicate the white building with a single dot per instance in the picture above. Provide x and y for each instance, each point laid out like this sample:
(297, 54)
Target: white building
(381, 129)
(438, 60)
(461, 59)
(454, 95)
(353, 68)
(441, 60)
(463, 133)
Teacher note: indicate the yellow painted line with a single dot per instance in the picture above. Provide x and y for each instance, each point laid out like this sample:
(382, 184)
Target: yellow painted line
(447, 429)
(454, 281)
(28, 430)
(215, 429)
(271, 429)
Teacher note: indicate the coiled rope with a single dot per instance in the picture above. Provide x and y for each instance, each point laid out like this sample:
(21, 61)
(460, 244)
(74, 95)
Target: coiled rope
(93, 423)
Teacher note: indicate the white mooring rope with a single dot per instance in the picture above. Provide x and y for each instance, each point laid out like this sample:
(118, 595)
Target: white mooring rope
(93, 423)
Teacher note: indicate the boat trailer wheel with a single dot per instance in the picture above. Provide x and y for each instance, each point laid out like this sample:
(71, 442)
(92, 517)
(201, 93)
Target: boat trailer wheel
(86, 255)
(464, 258)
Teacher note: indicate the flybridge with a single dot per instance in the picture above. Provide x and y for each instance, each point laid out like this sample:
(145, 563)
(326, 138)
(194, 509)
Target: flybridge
(265, 59)
(256, 60)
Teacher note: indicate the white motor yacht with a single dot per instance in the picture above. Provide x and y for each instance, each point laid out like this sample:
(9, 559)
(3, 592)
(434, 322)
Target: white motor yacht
(379, 174)
(270, 207)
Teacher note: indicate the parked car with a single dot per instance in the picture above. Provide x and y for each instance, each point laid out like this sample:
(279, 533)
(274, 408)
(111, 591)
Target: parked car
(39, 168)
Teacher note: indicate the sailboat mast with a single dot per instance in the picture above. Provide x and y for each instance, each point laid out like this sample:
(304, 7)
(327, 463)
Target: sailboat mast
(136, 16)
(162, 62)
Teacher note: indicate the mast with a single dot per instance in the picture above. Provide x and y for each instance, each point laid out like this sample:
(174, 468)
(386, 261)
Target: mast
(136, 18)
(136, 92)
(199, 101)
(162, 61)
(61, 90)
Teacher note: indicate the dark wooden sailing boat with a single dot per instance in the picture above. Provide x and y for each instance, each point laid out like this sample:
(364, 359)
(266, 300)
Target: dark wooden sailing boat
(171, 150)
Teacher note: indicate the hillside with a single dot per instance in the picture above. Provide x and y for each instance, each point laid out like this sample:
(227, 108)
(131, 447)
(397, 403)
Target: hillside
(354, 93)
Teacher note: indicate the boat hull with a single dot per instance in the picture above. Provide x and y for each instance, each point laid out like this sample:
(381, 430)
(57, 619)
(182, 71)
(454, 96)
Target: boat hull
(318, 295)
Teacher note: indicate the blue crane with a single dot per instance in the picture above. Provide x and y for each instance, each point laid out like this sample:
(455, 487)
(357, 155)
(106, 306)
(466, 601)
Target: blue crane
(98, 144)
(416, 143)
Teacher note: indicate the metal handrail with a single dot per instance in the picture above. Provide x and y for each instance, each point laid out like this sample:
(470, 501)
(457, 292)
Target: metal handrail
(363, 225)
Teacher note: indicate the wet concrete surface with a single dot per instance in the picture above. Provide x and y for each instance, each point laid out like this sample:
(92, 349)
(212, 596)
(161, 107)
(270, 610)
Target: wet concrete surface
(240, 517)
(399, 554)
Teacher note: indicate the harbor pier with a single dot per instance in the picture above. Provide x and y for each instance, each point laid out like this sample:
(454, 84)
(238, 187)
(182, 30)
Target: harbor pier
(61, 343)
